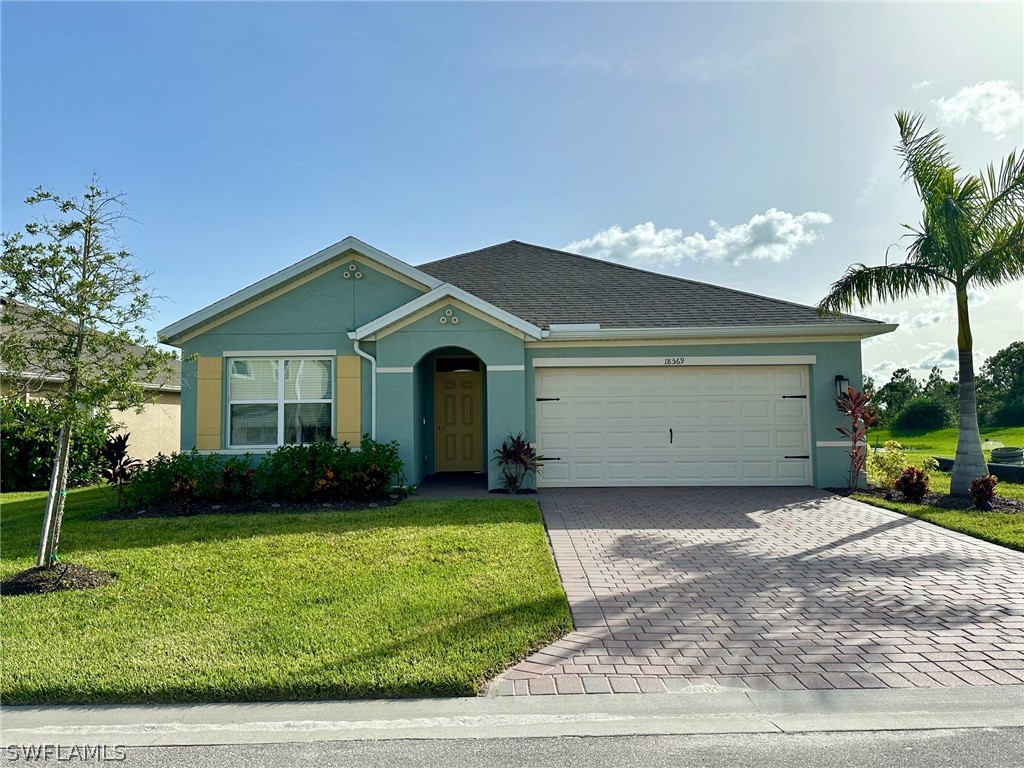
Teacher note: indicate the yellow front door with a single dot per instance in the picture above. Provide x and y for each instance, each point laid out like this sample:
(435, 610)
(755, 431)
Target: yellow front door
(458, 421)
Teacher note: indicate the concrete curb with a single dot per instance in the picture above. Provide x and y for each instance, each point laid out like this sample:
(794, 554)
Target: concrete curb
(728, 711)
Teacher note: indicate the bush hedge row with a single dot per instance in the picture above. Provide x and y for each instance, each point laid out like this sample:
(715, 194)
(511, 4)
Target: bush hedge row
(293, 473)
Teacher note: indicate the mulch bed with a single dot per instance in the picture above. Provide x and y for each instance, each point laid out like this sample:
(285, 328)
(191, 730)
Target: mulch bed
(251, 507)
(942, 500)
(60, 578)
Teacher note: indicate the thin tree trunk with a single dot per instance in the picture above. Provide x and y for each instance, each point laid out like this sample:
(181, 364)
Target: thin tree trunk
(970, 460)
(54, 515)
(58, 518)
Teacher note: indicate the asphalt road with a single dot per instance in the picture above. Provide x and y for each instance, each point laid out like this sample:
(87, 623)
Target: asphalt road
(974, 748)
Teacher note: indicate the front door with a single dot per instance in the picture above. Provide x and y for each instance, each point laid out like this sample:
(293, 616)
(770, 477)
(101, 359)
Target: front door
(458, 421)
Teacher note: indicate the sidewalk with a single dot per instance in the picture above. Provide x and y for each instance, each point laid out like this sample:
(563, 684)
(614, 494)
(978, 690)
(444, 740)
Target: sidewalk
(719, 712)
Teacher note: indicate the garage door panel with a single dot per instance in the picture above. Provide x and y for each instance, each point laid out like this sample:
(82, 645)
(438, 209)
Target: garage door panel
(730, 426)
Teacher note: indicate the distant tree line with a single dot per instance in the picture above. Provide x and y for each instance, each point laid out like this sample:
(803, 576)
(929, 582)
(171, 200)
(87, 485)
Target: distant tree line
(907, 403)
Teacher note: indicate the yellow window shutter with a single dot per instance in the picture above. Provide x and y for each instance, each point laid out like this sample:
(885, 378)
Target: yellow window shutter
(350, 399)
(209, 415)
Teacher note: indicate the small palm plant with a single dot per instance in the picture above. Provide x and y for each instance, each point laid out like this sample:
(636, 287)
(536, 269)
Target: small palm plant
(517, 459)
(971, 234)
(116, 466)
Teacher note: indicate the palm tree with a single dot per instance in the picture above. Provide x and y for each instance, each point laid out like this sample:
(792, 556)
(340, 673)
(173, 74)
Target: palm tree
(971, 234)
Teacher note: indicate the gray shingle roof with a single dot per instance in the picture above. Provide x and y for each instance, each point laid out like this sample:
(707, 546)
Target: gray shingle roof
(165, 382)
(545, 286)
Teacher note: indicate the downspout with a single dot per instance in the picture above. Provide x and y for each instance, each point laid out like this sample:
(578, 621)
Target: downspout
(373, 385)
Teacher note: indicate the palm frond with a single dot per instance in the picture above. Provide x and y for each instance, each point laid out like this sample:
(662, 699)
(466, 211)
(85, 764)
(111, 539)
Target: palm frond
(925, 158)
(1003, 260)
(862, 285)
(1004, 192)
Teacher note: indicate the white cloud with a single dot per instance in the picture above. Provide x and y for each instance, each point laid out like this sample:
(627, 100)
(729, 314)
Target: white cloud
(922, 84)
(995, 104)
(770, 236)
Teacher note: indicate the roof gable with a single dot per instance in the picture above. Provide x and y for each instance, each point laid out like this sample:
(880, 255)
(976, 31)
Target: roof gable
(440, 294)
(549, 288)
(329, 258)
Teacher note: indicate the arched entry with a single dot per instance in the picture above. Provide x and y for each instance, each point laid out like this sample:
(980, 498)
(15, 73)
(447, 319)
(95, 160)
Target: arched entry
(453, 385)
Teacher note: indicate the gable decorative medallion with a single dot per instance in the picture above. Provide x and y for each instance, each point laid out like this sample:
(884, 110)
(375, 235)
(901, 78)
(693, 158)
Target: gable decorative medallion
(351, 272)
(449, 317)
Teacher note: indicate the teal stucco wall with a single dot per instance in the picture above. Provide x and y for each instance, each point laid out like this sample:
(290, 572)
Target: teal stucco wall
(405, 395)
(319, 314)
(316, 315)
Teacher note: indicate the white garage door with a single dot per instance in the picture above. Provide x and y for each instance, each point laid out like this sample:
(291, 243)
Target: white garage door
(744, 425)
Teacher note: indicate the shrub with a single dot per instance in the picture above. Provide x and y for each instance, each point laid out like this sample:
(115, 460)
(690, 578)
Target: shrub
(517, 459)
(923, 413)
(885, 467)
(315, 472)
(912, 484)
(28, 445)
(183, 491)
(300, 472)
(152, 483)
(116, 466)
(983, 490)
(1009, 414)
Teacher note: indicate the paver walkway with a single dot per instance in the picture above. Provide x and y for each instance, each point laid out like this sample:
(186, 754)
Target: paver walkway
(770, 588)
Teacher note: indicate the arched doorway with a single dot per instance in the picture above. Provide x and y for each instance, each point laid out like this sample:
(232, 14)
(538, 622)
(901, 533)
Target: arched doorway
(452, 383)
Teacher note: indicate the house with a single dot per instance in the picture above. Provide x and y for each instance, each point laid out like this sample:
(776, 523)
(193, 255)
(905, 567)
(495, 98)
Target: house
(619, 376)
(155, 430)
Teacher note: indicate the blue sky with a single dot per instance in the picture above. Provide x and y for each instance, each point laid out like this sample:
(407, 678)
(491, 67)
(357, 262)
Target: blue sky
(745, 145)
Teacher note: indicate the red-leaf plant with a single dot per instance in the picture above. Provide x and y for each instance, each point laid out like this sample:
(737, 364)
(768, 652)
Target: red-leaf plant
(857, 407)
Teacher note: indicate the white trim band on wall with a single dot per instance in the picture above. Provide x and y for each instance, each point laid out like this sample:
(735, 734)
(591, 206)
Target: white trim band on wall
(283, 353)
(394, 370)
(506, 368)
(835, 443)
(671, 361)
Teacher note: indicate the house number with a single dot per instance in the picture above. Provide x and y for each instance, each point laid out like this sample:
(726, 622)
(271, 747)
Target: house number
(675, 361)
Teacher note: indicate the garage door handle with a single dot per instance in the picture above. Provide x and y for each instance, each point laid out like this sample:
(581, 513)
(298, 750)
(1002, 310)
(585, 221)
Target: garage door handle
(670, 435)
(794, 397)
(548, 399)
(796, 457)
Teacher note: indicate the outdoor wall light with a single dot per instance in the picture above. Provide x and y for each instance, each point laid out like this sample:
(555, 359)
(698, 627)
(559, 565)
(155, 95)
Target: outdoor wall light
(842, 385)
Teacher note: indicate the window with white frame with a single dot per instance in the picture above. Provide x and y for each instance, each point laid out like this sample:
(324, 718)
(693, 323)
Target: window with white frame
(278, 401)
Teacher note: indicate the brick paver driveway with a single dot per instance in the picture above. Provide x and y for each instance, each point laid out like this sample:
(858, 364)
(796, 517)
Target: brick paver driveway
(770, 588)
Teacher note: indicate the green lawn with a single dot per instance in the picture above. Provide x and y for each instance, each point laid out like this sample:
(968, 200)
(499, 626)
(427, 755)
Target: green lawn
(942, 442)
(998, 527)
(425, 598)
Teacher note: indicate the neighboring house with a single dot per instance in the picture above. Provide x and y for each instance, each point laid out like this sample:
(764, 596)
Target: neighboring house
(157, 429)
(619, 376)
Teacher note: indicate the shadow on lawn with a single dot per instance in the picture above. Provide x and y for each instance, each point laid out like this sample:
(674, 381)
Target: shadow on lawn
(441, 657)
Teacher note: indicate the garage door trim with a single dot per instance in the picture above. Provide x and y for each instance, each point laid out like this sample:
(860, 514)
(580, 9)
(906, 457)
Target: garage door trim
(671, 361)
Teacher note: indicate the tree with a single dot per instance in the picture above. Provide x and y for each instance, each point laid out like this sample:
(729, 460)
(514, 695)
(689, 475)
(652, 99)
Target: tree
(901, 388)
(971, 233)
(74, 306)
(1001, 385)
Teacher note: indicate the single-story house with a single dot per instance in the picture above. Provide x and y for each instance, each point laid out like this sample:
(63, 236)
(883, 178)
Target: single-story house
(619, 376)
(156, 429)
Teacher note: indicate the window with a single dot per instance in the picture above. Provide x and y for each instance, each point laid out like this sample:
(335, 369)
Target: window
(278, 401)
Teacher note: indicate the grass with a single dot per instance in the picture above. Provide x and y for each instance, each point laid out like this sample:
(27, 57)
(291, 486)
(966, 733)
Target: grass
(997, 527)
(941, 442)
(425, 598)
